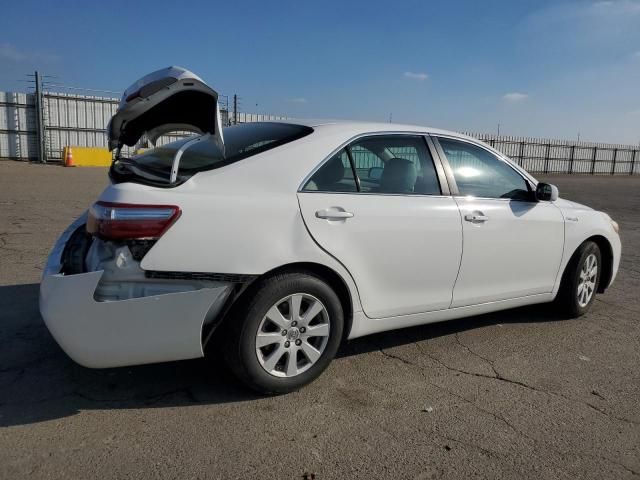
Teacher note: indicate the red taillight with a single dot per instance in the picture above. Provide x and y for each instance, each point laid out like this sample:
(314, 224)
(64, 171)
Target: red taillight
(124, 221)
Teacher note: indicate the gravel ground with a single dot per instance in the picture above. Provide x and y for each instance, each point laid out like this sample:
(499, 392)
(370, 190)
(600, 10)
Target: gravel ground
(516, 394)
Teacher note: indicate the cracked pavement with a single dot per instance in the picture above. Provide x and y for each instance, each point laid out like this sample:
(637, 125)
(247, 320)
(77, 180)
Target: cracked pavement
(515, 394)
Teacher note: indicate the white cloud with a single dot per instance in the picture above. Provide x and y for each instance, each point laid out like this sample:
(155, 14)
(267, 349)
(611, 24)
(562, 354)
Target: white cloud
(600, 24)
(515, 97)
(621, 7)
(597, 10)
(297, 100)
(11, 53)
(416, 76)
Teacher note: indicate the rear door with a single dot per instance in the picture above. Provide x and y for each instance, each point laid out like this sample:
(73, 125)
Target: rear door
(380, 207)
(512, 243)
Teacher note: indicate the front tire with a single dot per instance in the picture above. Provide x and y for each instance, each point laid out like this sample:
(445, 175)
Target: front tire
(286, 334)
(580, 280)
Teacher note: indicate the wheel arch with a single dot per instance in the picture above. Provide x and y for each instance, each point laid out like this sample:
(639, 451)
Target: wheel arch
(333, 278)
(606, 254)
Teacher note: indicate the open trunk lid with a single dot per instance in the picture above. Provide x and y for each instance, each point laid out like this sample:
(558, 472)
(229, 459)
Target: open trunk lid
(166, 100)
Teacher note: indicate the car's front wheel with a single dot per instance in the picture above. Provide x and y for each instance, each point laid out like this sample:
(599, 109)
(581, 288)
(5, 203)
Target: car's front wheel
(580, 280)
(286, 333)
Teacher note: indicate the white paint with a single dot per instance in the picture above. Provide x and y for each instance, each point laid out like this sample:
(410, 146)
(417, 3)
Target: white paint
(398, 254)
(403, 251)
(514, 253)
(363, 325)
(127, 332)
(105, 334)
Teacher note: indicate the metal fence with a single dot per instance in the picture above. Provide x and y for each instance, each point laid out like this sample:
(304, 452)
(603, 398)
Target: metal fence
(70, 119)
(566, 156)
(38, 130)
(18, 129)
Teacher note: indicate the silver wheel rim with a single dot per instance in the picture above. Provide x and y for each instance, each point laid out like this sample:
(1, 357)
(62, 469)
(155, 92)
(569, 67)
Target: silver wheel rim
(292, 335)
(587, 283)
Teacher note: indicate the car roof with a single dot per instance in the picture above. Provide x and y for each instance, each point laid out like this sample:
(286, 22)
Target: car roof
(369, 127)
(298, 159)
(349, 128)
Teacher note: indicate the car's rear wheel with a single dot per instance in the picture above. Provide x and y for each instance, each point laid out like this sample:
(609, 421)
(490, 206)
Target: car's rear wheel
(580, 280)
(286, 334)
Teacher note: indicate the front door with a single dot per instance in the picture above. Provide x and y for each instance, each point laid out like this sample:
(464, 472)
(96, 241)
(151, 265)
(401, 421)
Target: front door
(512, 243)
(377, 207)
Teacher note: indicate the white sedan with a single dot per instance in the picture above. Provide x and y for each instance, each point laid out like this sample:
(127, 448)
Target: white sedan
(281, 240)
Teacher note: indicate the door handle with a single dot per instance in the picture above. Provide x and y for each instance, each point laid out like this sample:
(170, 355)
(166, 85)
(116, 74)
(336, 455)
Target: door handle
(476, 217)
(328, 214)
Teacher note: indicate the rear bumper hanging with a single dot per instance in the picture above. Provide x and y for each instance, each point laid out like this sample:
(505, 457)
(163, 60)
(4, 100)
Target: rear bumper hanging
(100, 334)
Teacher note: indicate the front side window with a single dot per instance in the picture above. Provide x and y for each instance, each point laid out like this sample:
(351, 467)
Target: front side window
(391, 164)
(479, 173)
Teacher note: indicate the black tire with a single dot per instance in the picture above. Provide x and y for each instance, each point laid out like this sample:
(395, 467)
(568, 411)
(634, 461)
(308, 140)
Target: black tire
(568, 297)
(244, 321)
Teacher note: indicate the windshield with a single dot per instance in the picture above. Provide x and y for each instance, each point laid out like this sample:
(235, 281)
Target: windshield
(240, 141)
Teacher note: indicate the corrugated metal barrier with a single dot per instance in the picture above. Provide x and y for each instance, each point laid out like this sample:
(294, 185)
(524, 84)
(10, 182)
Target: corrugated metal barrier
(80, 121)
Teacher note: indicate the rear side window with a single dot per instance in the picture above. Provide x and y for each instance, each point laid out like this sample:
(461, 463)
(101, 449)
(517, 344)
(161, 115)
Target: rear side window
(395, 164)
(240, 141)
(336, 175)
(386, 164)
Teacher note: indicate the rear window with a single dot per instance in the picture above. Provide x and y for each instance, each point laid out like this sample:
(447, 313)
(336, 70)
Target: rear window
(240, 141)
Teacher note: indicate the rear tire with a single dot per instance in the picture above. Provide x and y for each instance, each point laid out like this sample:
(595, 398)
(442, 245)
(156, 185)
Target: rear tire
(580, 280)
(286, 333)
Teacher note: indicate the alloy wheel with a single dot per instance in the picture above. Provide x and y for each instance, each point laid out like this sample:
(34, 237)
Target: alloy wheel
(292, 335)
(587, 280)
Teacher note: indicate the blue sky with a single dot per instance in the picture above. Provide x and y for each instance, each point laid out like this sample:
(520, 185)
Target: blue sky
(539, 68)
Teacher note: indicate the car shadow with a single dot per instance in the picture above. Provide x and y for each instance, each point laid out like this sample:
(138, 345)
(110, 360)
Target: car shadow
(38, 382)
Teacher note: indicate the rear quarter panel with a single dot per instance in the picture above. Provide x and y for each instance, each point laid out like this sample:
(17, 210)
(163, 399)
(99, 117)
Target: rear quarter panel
(243, 218)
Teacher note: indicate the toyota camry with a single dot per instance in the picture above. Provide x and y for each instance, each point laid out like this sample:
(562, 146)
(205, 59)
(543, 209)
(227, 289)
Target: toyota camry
(282, 239)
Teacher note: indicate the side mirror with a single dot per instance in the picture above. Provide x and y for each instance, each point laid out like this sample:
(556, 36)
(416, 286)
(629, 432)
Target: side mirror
(375, 173)
(546, 192)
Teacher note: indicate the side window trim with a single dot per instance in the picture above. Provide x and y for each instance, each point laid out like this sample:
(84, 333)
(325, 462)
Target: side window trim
(356, 177)
(453, 186)
(449, 171)
(445, 186)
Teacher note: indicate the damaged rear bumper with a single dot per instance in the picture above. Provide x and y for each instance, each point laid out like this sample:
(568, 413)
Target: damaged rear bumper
(101, 334)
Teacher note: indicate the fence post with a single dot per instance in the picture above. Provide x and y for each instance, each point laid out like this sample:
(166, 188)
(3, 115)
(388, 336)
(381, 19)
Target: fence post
(546, 158)
(571, 157)
(634, 154)
(593, 160)
(42, 153)
(235, 109)
(521, 152)
(613, 164)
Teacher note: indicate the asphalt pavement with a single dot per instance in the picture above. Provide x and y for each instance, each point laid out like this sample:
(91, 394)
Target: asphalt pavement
(517, 394)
